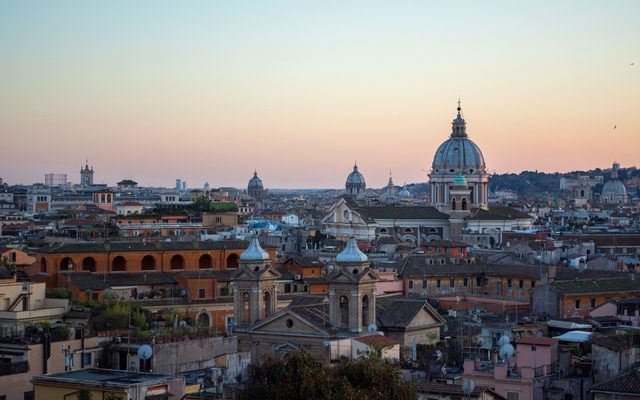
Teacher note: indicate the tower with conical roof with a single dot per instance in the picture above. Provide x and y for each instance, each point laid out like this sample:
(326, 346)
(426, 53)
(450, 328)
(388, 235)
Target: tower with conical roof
(352, 287)
(256, 281)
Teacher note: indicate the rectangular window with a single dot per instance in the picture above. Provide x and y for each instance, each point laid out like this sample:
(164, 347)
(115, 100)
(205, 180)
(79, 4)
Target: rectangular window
(202, 293)
(86, 360)
(424, 283)
(498, 287)
(534, 348)
(295, 288)
(478, 281)
(521, 284)
(465, 282)
(287, 288)
(438, 283)
(578, 304)
(533, 284)
(593, 303)
(410, 284)
(452, 282)
(509, 283)
(513, 396)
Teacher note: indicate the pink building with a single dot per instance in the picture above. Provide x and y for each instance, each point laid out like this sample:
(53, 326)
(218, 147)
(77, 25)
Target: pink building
(626, 310)
(525, 376)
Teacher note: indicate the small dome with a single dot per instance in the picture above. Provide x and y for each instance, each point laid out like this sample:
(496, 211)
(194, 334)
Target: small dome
(255, 182)
(254, 252)
(404, 192)
(351, 253)
(614, 187)
(460, 180)
(355, 177)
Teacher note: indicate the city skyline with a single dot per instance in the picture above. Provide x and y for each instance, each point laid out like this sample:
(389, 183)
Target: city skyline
(299, 92)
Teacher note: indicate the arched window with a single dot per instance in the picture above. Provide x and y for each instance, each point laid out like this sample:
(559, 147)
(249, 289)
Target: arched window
(464, 203)
(347, 215)
(344, 311)
(205, 262)
(232, 261)
(266, 300)
(453, 204)
(148, 263)
(246, 317)
(89, 264)
(582, 193)
(365, 310)
(203, 319)
(66, 264)
(177, 262)
(383, 231)
(119, 264)
(43, 265)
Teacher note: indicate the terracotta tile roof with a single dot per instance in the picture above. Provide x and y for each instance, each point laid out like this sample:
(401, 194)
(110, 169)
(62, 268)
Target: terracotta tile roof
(124, 247)
(583, 286)
(377, 340)
(497, 213)
(628, 383)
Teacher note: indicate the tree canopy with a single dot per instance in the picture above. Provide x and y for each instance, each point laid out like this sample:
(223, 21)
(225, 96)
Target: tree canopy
(301, 376)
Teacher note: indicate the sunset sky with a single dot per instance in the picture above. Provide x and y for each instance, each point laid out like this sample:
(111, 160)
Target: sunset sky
(299, 90)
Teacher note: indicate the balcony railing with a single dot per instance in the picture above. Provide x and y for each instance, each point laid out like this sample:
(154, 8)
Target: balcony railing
(18, 367)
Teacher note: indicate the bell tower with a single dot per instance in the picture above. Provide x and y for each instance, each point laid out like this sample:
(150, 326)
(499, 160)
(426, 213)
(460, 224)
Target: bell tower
(86, 175)
(352, 287)
(255, 294)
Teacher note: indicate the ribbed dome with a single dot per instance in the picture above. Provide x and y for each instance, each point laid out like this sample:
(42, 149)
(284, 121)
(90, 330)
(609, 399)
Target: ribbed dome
(458, 153)
(255, 182)
(254, 252)
(355, 177)
(351, 253)
(404, 192)
(615, 187)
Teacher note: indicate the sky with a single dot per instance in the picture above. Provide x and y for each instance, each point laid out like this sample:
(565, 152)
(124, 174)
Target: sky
(300, 90)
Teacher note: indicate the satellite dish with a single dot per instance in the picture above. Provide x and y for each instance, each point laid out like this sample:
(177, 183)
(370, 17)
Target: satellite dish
(372, 328)
(183, 324)
(504, 339)
(438, 355)
(145, 352)
(468, 386)
(506, 351)
(480, 341)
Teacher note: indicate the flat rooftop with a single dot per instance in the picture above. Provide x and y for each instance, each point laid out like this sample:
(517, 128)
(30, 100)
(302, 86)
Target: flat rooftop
(110, 376)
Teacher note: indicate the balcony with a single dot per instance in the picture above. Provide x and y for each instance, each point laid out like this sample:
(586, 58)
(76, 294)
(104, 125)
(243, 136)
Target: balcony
(11, 368)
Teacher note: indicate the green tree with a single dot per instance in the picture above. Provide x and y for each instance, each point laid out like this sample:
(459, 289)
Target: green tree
(84, 394)
(303, 377)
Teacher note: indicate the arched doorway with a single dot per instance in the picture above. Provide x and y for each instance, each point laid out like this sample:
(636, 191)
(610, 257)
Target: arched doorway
(148, 263)
(203, 319)
(177, 262)
(344, 311)
(464, 203)
(266, 302)
(119, 264)
(232, 261)
(205, 261)
(66, 264)
(365, 310)
(246, 316)
(43, 265)
(89, 264)
(453, 204)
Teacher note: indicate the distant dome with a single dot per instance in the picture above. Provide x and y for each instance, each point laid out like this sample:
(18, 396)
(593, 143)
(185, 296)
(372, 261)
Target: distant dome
(255, 182)
(254, 252)
(404, 192)
(351, 253)
(355, 182)
(614, 187)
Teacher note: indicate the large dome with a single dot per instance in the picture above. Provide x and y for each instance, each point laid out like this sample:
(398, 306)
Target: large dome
(615, 187)
(458, 153)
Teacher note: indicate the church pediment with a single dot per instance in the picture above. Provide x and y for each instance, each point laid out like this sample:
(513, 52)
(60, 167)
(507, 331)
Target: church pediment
(289, 323)
(243, 274)
(342, 276)
(269, 273)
